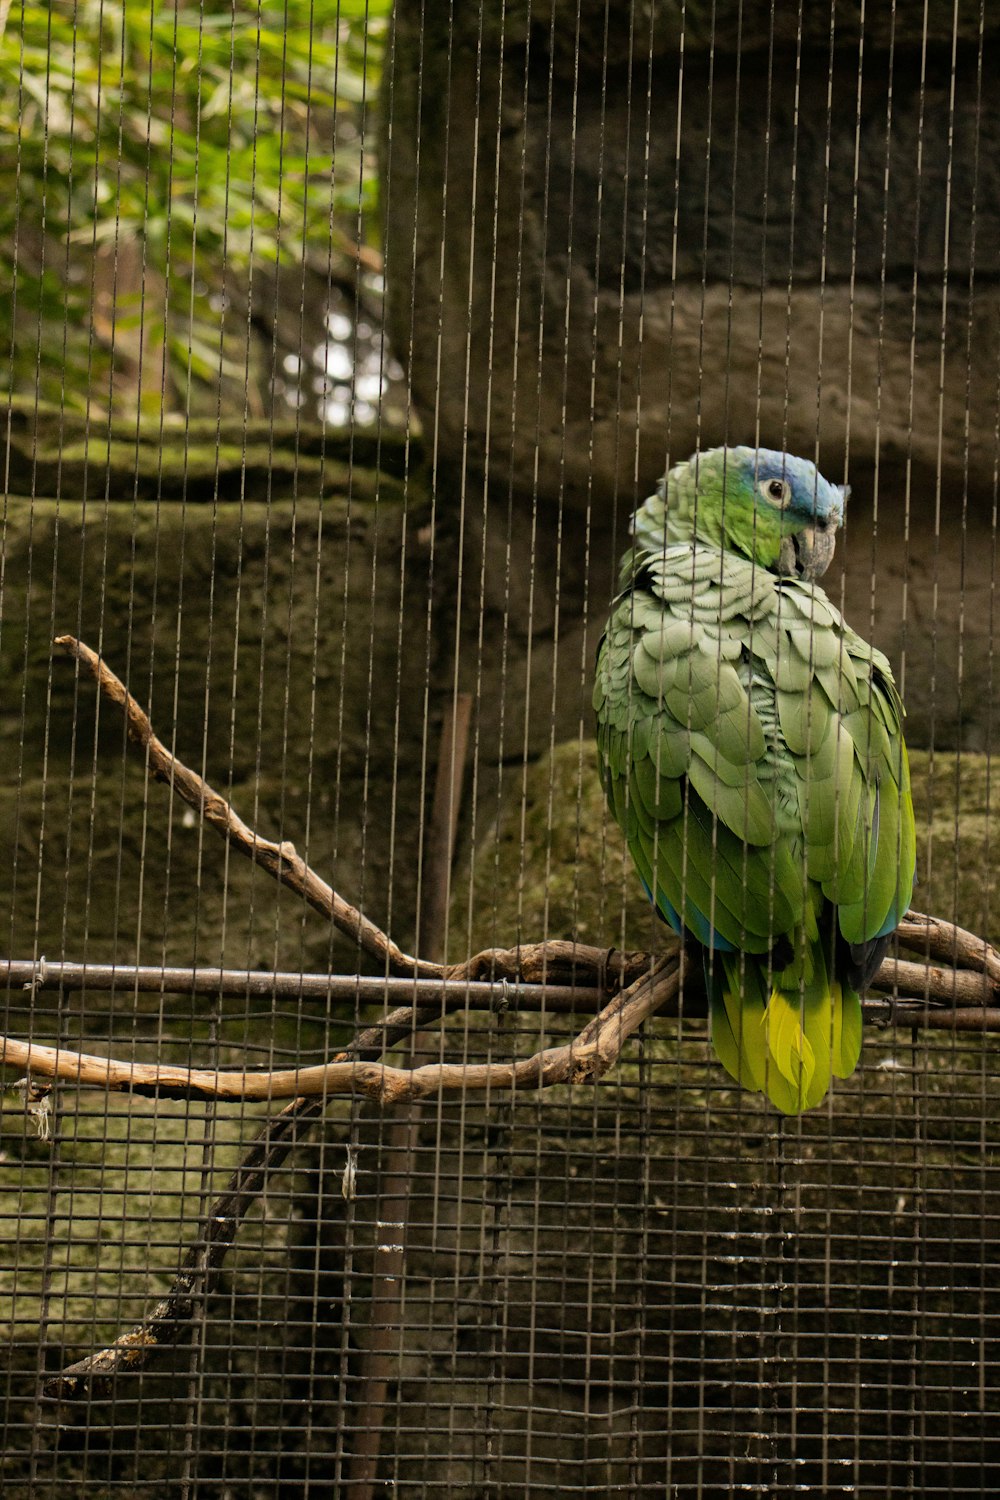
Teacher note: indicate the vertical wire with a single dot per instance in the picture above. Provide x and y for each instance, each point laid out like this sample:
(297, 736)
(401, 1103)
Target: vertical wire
(193, 1400)
(503, 1174)
(265, 616)
(735, 1207)
(6, 1435)
(497, 1154)
(323, 1147)
(610, 1205)
(130, 653)
(100, 1187)
(414, 1148)
(352, 1137)
(400, 1229)
(439, 476)
(431, 614)
(351, 1289)
(557, 610)
(637, 1304)
(954, 1225)
(672, 1330)
(985, 1256)
(917, 1097)
(153, 601)
(455, 667)
(613, 1209)
(827, 1392)
(48, 1317)
(46, 1268)
(535, 1261)
(989, 916)
(918, 1351)
(703, 1417)
(285, 1406)
(794, 1249)
(886, 172)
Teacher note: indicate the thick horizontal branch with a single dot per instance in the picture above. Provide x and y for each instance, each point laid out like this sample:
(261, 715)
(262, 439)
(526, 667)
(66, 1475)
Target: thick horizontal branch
(949, 987)
(516, 979)
(937, 938)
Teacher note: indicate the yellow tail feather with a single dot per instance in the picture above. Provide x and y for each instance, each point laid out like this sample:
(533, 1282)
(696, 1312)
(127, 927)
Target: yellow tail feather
(790, 1045)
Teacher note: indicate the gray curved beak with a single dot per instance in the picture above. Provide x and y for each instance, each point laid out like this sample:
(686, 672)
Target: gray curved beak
(807, 554)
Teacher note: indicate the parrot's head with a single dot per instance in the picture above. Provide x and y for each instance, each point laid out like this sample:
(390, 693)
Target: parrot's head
(772, 507)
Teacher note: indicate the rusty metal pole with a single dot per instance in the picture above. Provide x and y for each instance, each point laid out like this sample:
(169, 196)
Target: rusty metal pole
(378, 1357)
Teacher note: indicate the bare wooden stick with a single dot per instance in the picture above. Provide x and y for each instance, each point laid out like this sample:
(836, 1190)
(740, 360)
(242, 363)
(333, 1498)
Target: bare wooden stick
(598, 973)
(940, 939)
(930, 981)
(350, 989)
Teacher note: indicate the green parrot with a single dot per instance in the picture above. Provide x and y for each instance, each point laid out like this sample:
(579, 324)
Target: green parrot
(751, 750)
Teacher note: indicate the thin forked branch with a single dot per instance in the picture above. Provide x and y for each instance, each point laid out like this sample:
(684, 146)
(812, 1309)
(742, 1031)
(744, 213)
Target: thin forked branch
(558, 962)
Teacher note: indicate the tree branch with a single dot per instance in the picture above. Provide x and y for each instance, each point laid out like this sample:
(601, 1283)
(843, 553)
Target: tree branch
(940, 939)
(583, 1060)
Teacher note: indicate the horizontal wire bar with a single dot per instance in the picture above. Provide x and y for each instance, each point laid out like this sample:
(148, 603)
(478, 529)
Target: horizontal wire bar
(365, 989)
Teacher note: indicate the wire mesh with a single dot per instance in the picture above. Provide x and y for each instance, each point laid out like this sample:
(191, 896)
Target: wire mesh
(339, 345)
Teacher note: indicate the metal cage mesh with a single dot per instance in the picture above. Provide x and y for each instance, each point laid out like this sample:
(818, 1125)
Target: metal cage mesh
(339, 344)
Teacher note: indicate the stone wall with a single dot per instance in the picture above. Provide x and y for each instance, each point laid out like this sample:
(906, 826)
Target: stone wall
(596, 240)
(600, 254)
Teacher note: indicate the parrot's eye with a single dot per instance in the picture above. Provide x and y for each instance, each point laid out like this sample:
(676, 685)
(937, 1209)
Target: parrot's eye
(779, 491)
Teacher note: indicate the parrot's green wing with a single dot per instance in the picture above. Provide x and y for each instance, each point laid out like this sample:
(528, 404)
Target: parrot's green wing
(843, 731)
(686, 755)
